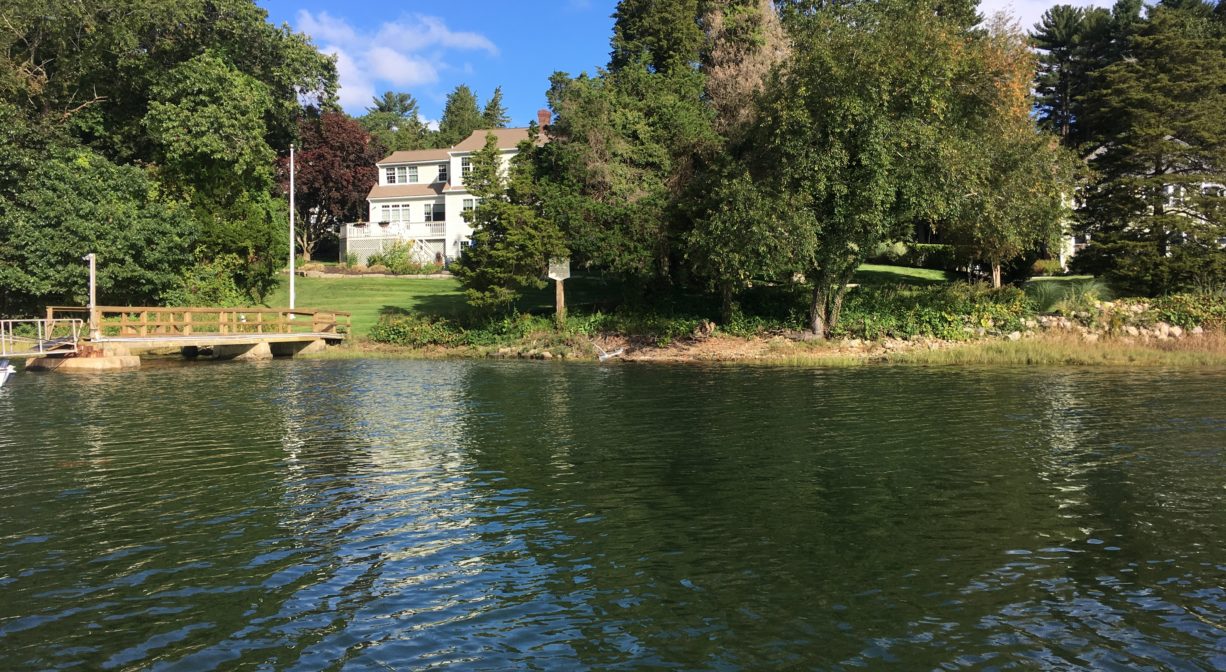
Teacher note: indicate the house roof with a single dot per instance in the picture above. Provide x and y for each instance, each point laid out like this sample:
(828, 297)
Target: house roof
(415, 155)
(508, 138)
(406, 190)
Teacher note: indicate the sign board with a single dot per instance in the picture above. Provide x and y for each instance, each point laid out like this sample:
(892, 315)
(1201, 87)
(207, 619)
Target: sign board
(559, 269)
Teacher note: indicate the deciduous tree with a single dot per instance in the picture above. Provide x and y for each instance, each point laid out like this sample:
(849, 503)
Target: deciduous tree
(335, 169)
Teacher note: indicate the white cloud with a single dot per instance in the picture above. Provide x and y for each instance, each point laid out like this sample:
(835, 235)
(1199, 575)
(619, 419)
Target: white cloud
(326, 28)
(356, 88)
(417, 32)
(388, 55)
(399, 69)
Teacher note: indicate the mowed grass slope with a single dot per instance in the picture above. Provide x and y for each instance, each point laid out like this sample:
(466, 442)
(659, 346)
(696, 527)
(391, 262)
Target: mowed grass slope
(368, 298)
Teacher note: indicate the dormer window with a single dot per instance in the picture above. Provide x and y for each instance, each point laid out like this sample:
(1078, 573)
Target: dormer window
(442, 172)
(401, 174)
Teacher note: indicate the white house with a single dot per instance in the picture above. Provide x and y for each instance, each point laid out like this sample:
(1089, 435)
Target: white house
(421, 197)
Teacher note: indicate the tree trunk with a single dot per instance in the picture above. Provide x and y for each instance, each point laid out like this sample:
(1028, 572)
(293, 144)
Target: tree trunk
(836, 307)
(817, 310)
(996, 274)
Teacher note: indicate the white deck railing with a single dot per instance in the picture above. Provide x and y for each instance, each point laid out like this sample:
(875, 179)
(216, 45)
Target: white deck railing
(403, 230)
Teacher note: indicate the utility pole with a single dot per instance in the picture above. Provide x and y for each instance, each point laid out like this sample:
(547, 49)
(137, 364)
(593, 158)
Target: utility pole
(291, 226)
(93, 294)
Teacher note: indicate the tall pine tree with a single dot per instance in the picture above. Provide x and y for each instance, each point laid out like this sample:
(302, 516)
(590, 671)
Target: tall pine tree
(460, 117)
(495, 115)
(1155, 214)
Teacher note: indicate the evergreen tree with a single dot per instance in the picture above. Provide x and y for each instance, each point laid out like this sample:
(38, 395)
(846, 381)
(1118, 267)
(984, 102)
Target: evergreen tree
(495, 115)
(1154, 225)
(460, 117)
(394, 121)
(512, 242)
(745, 40)
(664, 36)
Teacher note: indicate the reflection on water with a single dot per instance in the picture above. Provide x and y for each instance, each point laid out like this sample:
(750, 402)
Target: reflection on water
(407, 515)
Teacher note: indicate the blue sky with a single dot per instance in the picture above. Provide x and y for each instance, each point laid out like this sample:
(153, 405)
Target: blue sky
(427, 49)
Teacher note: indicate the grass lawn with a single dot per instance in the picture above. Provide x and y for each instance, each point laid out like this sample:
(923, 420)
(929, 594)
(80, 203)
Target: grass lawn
(879, 274)
(1058, 279)
(368, 298)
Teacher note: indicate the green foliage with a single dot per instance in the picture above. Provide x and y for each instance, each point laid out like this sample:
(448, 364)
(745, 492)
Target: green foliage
(399, 260)
(1157, 115)
(857, 131)
(1200, 309)
(192, 95)
(1046, 267)
(1068, 298)
(665, 36)
(460, 117)
(495, 115)
(620, 156)
(512, 242)
(207, 118)
(918, 255)
(957, 311)
(74, 202)
(209, 283)
(394, 122)
(416, 331)
(739, 233)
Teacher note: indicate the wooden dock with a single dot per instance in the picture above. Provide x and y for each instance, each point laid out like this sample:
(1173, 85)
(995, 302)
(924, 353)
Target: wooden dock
(118, 333)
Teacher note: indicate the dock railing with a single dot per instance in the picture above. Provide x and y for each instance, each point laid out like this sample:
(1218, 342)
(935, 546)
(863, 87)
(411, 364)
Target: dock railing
(35, 338)
(141, 321)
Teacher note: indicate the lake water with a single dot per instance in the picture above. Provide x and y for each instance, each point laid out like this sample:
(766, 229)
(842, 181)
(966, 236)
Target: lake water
(397, 515)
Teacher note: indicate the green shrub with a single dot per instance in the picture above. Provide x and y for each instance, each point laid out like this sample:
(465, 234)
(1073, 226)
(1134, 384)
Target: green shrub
(398, 259)
(952, 312)
(416, 331)
(209, 283)
(1046, 267)
(1205, 309)
(351, 260)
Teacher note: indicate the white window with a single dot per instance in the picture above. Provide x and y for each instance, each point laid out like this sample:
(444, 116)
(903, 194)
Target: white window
(469, 204)
(396, 212)
(435, 212)
(442, 172)
(466, 166)
(412, 174)
(400, 174)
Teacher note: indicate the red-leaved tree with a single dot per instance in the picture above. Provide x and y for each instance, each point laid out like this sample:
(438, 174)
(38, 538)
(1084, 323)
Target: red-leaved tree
(334, 171)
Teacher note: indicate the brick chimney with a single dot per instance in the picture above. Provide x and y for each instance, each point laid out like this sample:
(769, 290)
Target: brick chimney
(543, 117)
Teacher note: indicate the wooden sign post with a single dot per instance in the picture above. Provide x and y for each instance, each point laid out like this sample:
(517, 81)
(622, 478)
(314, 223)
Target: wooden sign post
(559, 270)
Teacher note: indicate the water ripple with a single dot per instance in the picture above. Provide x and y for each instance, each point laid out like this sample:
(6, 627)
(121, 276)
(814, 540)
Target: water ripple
(417, 515)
